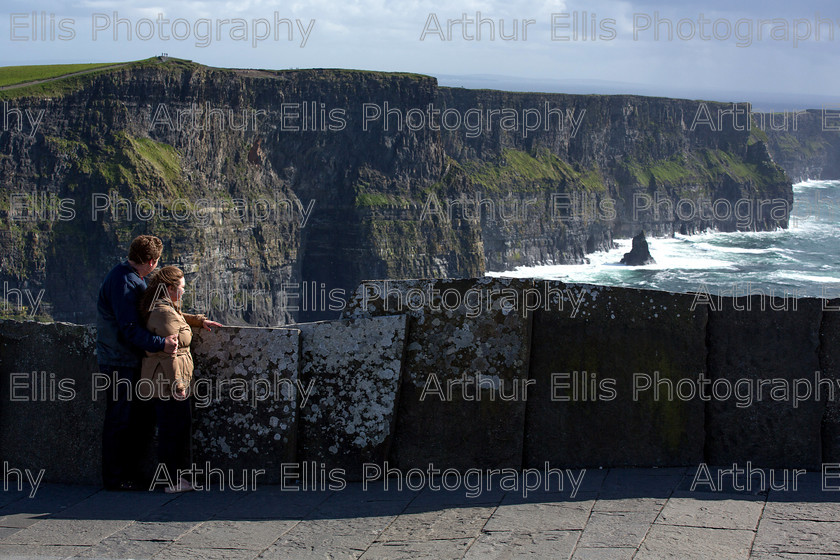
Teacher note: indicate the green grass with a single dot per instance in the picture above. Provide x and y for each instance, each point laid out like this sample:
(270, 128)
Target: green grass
(518, 171)
(704, 166)
(11, 75)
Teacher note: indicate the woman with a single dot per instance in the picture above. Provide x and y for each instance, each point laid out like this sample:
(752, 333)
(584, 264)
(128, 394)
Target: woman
(169, 375)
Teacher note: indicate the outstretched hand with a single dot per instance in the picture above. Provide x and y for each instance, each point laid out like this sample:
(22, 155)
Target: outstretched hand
(171, 344)
(208, 323)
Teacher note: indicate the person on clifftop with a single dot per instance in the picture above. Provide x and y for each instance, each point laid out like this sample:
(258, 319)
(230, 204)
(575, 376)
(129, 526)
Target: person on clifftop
(120, 342)
(170, 375)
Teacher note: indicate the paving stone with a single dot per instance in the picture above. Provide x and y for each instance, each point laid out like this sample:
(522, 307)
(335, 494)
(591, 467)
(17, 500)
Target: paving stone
(194, 506)
(510, 545)
(251, 423)
(689, 543)
(616, 529)
(794, 536)
(452, 549)
(110, 506)
(752, 346)
(818, 487)
(454, 523)
(353, 501)
(586, 358)
(38, 552)
(354, 367)
(630, 504)
(50, 499)
(333, 538)
(465, 374)
(178, 552)
(374, 492)
(467, 497)
(793, 556)
(802, 511)
(581, 499)
(532, 518)
(7, 532)
(115, 547)
(612, 553)
(155, 530)
(81, 532)
(265, 505)
(348, 508)
(720, 511)
(248, 535)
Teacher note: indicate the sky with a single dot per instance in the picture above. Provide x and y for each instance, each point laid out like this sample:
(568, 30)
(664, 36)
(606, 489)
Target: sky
(779, 55)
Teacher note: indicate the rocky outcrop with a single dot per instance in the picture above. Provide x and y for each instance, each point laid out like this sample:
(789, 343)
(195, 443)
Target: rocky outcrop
(805, 143)
(639, 254)
(279, 191)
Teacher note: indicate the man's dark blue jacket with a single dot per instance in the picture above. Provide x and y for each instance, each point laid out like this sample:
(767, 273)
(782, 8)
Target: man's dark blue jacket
(120, 338)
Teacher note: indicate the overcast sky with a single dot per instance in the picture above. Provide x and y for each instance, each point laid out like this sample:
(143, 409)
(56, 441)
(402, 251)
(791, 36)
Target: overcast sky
(754, 50)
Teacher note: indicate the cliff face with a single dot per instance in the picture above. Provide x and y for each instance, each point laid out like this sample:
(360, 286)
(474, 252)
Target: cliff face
(277, 192)
(806, 144)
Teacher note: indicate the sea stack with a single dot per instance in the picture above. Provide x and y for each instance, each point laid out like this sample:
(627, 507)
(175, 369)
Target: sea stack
(640, 254)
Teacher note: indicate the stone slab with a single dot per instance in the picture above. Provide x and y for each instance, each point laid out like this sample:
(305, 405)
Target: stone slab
(592, 350)
(516, 544)
(450, 549)
(245, 535)
(179, 552)
(115, 547)
(718, 511)
(693, 543)
(330, 538)
(353, 367)
(48, 403)
(69, 532)
(830, 368)
(616, 529)
(612, 553)
(540, 517)
(462, 399)
(246, 400)
(38, 552)
(748, 346)
(795, 536)
(450, 523)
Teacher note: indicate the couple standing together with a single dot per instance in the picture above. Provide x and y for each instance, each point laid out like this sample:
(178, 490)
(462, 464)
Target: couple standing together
(141, 333)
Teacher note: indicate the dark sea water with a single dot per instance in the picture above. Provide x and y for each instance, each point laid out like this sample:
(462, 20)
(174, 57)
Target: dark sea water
(803, 260)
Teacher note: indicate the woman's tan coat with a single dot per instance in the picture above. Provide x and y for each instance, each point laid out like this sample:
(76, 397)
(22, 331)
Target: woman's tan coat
(163, 369)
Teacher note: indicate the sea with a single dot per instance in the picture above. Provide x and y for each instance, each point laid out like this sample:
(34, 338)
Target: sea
(801, 261)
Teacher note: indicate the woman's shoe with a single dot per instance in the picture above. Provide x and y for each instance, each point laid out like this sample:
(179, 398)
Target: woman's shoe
(182, 486)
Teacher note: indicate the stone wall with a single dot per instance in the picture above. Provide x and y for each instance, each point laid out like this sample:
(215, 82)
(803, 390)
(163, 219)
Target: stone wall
(483, 373)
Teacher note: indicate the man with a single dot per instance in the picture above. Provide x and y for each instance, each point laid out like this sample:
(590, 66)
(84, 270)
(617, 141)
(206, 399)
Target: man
(120, 342)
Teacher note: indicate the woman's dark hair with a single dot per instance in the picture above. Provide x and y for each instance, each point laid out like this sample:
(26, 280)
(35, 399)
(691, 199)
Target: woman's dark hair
(156, 289)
